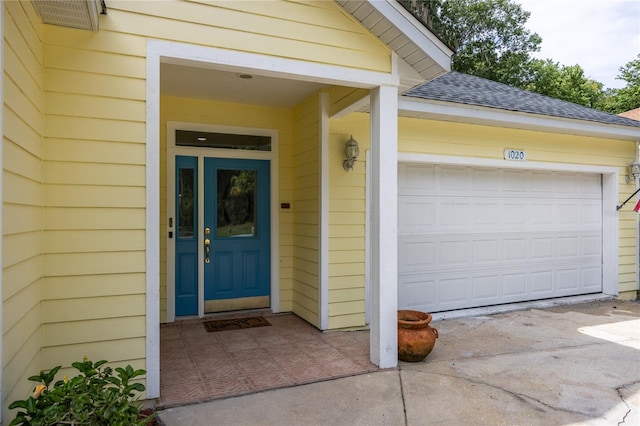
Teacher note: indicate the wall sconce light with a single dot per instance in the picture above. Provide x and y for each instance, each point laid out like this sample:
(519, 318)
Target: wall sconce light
(634, 172)
(351, 151)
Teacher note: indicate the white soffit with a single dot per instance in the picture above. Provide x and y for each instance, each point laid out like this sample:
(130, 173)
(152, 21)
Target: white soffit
(79, 14)
(462, 113)
(403, 33)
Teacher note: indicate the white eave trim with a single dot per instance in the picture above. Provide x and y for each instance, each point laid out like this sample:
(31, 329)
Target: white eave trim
(449, 111)
(415, 30)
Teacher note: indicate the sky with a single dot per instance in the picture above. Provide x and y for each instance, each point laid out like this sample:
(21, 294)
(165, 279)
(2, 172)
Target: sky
(599, 35)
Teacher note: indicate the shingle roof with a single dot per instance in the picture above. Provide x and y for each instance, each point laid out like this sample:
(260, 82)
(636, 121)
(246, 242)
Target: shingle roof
(467, 89)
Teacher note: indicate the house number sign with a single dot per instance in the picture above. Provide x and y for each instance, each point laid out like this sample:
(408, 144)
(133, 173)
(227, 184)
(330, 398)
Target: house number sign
(515, 154)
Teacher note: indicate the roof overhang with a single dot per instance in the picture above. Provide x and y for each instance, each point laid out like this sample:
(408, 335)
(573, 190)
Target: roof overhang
(471, 114)
(404, 34)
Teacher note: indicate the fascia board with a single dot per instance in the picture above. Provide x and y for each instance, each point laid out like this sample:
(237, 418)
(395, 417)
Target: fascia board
(415, 30)
(448, 111)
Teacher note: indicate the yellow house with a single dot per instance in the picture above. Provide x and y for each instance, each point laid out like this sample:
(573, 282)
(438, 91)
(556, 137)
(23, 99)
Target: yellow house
(168, 159)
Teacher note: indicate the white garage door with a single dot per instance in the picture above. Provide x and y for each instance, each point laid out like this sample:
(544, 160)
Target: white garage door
(472, 237)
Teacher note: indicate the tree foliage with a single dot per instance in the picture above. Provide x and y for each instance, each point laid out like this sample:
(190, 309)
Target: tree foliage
(490, 40)
(628, 97)
(568, 83)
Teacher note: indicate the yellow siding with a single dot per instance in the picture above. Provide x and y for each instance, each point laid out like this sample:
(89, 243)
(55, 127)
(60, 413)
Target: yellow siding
(307, 30)
(22, 203)
(346, 220)
(74, 164)
(238, 115)
(444, 138)
(93, 196)
(306, 180)
(95, 113)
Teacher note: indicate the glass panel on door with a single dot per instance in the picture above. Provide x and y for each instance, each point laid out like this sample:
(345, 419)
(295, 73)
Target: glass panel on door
(236, 203)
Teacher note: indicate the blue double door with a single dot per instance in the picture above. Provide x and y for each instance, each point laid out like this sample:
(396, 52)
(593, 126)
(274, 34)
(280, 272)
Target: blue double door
(229, 247)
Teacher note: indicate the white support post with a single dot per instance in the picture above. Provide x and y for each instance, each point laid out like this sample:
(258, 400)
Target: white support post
(384, 226)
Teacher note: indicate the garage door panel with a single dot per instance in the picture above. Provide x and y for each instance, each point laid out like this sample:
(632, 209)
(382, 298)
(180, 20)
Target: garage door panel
(454, 213)
(568, 247)
(591, 279)
(540, 183)
(566, 183)
(417, 254)
(484, 251)
(515, 285)
(453, 289)
(566, 214)
(453, 253)
(485, 180)
(515, 214)
(592, 246)
(418, 293)
(591, 186)
(515, 235)
(541, 214)
(567, 279)
(485, 287)
(515, 249)
(590, 213)
(451, 180)
(416, 216)
(418, 179)
(514, 181)
(487, 213)
(435, 253)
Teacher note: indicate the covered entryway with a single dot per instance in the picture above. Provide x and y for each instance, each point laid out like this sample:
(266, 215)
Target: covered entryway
(480, 236)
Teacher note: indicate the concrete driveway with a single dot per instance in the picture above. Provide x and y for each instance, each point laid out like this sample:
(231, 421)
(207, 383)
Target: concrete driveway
(575, 364)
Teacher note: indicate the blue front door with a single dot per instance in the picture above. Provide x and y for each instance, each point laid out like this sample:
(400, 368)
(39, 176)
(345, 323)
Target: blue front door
(237, 232)
(234, 247)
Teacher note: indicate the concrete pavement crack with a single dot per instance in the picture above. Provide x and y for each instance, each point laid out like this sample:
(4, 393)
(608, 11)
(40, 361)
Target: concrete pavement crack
(520, 396)
(524, 352)
(619, 391)
(404, 405)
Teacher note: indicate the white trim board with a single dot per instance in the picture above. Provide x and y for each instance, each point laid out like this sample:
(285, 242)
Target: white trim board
(473, 114)
(610, 179)
(270, 66)
(199, 152)
(152, 216)
(1, 197)
(323, 209)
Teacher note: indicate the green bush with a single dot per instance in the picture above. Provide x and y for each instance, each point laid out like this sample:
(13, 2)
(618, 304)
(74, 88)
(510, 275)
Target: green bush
(94, 397)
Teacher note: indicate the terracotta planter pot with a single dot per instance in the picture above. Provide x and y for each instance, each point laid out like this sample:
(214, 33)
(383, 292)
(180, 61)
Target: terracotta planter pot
(415, 337)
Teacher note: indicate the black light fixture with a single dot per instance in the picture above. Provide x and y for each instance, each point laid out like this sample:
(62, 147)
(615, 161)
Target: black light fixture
(351, 152)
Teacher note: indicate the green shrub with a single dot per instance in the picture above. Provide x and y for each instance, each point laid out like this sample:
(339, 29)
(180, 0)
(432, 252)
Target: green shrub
(94, 397)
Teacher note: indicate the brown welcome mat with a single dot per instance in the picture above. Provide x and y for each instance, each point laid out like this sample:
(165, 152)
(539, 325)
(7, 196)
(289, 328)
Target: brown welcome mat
(235, 324)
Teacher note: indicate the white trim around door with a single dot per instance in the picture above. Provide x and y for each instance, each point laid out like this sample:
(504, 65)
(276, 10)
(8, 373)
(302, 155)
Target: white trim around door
(173, 150)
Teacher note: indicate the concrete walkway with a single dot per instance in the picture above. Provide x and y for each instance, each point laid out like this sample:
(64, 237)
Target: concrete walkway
(577, 364)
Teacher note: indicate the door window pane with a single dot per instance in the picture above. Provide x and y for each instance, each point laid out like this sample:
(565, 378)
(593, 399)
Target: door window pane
(236, 203)
(186, 203)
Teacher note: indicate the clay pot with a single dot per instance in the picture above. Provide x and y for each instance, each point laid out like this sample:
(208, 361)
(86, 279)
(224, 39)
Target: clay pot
(415, 337)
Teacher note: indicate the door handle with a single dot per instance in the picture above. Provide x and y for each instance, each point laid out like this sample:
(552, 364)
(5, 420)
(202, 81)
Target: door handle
(207, 246)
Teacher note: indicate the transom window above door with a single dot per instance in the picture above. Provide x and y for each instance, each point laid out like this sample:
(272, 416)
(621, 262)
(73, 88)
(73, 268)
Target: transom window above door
(223, 140)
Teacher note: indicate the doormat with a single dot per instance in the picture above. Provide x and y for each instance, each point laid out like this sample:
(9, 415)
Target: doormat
(235, 324)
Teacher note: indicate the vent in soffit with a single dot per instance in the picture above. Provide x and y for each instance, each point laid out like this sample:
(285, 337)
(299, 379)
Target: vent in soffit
(81, 14)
